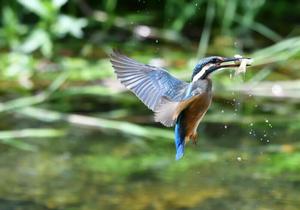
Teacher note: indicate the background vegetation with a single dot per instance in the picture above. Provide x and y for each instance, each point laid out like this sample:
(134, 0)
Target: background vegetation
(71, 137)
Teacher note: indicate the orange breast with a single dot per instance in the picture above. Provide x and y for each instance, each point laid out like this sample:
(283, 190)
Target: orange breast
(194, 113)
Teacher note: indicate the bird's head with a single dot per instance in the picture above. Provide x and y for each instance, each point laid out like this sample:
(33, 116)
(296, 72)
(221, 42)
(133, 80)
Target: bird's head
(210, 64)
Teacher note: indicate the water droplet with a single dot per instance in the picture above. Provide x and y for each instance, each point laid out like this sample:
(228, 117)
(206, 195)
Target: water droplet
(156, 41)
(266, 121)
(268, 140)
(225, 126)
(142, 31)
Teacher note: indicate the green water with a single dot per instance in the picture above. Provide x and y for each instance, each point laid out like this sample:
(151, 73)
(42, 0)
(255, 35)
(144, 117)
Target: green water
(89, 170)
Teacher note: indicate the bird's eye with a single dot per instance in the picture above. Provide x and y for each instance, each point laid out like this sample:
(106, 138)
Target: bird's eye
(215, 60)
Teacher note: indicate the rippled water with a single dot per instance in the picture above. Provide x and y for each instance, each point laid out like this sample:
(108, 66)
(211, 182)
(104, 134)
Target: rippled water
(88, 170)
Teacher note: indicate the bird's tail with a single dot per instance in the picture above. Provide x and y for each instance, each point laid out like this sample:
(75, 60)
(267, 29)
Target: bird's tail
(179, 137)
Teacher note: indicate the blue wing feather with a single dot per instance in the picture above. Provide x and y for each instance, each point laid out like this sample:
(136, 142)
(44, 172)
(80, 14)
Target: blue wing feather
(149, 83)
(161, 92)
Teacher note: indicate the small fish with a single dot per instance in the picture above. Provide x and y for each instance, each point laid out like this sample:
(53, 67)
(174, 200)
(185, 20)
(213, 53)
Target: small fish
(243, 64)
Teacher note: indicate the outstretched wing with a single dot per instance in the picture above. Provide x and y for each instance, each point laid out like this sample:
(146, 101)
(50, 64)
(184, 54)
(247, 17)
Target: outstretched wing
(150, 84)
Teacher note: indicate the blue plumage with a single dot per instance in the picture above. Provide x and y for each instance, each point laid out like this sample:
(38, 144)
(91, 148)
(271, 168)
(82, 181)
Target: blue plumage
(179, 137)
(199, 66)
(171, 99)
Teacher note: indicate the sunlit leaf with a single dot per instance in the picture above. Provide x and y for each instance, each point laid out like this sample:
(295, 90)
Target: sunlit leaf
(18, 64)
(58, 3)
(31, 133)
(35, 6)
(69, 25)
(38, 39)
(12, 28)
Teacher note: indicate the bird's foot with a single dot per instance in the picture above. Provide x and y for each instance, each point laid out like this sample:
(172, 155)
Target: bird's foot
(194, 138)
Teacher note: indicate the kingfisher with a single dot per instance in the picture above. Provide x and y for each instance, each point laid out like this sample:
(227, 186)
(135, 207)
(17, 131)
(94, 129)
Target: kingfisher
(173, 101)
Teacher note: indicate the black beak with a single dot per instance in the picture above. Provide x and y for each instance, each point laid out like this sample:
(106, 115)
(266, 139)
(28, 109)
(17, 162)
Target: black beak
(236, 62)
(225, 63)
(230, 59)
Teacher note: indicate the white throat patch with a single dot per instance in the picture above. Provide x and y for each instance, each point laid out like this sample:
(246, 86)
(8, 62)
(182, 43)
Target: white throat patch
(203, 70)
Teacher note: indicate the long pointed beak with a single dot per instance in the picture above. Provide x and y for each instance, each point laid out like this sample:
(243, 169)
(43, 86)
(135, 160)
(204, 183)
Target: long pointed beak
(225, 63)
(230, 59)
(237, 62)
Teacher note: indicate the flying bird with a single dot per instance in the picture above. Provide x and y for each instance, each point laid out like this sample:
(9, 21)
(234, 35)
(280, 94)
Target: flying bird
(174, 102)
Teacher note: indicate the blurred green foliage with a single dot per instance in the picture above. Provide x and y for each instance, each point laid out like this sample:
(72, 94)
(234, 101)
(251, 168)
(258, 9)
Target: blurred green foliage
(43, 38)
(41, 31)
(28, 26)
(55, 76)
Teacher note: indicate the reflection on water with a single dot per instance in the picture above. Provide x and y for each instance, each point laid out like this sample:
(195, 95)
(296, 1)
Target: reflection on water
(94, 171)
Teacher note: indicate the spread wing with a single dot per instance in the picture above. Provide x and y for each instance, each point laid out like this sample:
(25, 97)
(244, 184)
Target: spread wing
(152, 85)
(168, 111)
